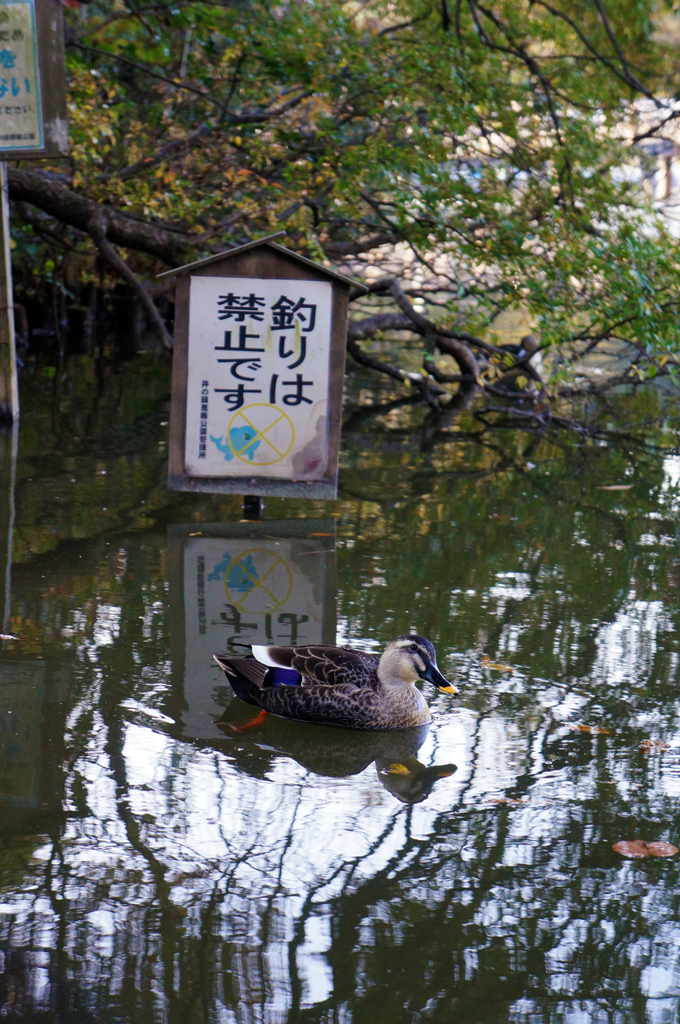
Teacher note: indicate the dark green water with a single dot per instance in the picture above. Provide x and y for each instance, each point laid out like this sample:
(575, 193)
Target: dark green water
(155, 866)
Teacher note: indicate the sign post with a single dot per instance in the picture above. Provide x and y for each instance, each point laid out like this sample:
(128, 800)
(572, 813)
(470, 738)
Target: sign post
(33, 125)
(258, 368)
(9, 385)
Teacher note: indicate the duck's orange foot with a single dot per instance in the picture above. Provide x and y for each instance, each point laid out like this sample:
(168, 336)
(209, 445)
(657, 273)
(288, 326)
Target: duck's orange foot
(258, 720)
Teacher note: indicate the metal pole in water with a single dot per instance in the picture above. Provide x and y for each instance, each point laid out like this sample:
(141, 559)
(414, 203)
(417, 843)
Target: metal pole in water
(253, 506)
(9, 387)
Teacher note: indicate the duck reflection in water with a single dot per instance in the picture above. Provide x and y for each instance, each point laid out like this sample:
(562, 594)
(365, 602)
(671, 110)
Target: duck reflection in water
(334, 753)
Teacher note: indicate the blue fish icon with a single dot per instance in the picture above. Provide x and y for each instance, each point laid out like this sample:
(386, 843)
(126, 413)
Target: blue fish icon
(242, 577)
(220, 568)
(239, 437)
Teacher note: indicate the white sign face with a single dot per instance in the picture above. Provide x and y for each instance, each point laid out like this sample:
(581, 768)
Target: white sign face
(21, 121)
(258, 380)
(253, 591)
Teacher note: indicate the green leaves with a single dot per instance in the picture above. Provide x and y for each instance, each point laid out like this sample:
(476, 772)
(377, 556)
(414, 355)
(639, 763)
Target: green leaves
(503, 144)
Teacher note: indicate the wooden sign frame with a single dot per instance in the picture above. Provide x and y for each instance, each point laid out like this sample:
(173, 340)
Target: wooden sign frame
(50, 39)
(261, 259)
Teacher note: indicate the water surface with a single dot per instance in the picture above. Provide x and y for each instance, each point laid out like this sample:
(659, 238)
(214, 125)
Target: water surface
(158, 866)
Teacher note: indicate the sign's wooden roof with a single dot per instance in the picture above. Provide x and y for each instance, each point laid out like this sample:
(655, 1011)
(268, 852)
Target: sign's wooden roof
(269, 241)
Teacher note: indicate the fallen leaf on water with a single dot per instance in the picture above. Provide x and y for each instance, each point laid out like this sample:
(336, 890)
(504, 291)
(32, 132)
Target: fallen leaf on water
(398, 769)
(652, 746)
(639, 848)
(615, 487)
(498, 666)
(320, 535)
(594, 730)
(508, 800)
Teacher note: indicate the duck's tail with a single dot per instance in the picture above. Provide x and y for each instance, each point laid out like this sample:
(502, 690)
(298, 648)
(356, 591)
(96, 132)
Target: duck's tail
(245, 675)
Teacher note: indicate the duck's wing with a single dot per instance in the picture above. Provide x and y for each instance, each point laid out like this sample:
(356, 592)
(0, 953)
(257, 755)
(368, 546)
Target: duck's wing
(319, 665)
(345, 705)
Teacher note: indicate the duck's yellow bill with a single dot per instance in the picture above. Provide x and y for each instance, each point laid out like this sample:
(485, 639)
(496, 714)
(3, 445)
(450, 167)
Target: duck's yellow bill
(398, 769)
(448, 689)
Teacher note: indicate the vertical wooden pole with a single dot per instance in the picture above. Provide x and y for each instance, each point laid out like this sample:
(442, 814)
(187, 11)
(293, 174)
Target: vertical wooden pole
(9, 402)
(9, 387)
(253, 506)
(9, 442)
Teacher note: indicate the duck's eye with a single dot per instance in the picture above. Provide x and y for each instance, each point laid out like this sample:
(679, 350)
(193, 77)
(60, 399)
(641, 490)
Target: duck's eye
(413, 647)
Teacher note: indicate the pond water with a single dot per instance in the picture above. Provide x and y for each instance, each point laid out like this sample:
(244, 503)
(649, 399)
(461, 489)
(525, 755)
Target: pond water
(156, 865)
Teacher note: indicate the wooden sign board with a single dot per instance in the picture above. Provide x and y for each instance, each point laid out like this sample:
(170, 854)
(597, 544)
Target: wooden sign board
(239, 584)
(258, 368)
(33, 118)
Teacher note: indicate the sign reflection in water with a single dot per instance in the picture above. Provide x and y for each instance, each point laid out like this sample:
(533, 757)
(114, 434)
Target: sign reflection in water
(240, 584)
(21, 693)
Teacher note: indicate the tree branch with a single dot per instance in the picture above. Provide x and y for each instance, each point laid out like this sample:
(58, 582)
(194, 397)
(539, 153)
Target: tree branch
(77, 211)
(119, 57)
(624, 77)
(634, 81)
(169, 149)
(416, 380)
(445, 378)
(97, 230)
(453, 346)
(366, 328)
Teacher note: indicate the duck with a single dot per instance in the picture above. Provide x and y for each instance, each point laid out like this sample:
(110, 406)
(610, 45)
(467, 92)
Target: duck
(337, 685)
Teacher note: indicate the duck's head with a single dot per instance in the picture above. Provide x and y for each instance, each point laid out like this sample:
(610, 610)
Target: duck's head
(411, 657)
(529, 347)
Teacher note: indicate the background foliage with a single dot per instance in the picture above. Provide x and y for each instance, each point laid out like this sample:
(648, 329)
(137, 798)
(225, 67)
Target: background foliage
(484, 156)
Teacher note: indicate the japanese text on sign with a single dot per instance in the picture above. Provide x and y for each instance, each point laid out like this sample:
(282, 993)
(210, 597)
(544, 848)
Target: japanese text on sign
(257, 388)
(21, 123)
